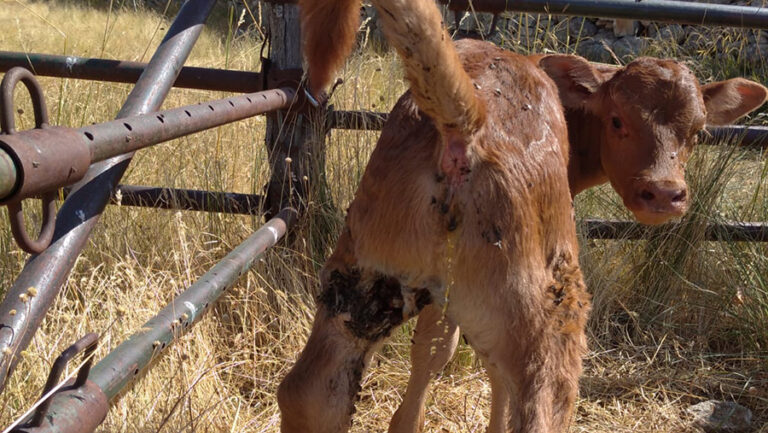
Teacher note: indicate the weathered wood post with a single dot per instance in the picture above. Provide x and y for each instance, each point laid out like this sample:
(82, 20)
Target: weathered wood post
(295, 142)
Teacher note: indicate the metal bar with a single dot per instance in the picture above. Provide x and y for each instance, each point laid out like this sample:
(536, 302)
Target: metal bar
(116, 137)
(42, 168)
(630, 230)
(187, 199)
(46, 272)
(750, 136)
(129, 134)
(132, 357)
(362, 120)
(120, 71)
(654, 10)
(128, 360)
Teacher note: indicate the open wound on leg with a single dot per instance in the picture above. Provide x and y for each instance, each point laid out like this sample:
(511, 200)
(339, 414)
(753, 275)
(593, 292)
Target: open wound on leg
(373, 304)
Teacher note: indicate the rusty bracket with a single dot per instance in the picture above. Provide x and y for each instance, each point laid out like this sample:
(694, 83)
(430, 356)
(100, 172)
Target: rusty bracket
(86, 344)
(28, 160)
(275, 78)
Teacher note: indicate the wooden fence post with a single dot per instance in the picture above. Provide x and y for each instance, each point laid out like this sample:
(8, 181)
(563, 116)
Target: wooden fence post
(295, 143)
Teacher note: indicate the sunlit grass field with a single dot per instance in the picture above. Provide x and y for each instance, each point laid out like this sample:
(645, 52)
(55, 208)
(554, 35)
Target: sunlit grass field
(676, 319)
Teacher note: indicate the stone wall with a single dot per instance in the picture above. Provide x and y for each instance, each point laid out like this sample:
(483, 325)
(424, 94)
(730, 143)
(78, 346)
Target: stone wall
(592, 38)
(596, 39)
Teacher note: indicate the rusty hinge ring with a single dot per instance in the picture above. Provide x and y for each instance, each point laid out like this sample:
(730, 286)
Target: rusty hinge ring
(8, 126)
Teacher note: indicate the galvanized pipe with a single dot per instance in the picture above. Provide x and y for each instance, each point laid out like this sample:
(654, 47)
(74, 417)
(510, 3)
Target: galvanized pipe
(653, 10)
(131, 358)
(46, 272)
(119, 71)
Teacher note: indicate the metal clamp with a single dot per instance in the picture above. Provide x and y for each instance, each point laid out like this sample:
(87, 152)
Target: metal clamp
(88, 344)
(8, 127)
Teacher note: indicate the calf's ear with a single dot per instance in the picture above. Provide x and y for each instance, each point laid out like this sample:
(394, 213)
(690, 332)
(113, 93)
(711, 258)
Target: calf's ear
(575, 78)
(728, 100)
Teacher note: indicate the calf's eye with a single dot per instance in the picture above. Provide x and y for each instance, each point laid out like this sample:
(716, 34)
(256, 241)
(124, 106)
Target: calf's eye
(616, 122)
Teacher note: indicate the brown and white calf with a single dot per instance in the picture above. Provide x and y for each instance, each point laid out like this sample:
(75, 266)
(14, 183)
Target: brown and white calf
(465, 203)
(632, 126)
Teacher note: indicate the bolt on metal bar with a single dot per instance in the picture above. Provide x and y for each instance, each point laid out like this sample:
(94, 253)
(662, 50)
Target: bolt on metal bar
(630, 230)
(129, 360)
(654, 10)
(46, 272)
(119, 71)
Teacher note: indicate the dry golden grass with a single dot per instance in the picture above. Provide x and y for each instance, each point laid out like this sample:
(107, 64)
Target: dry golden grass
(222, 376)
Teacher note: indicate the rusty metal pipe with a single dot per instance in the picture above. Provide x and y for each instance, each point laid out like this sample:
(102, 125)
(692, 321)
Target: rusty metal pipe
(72, 409)
(361, 120)
(120, 71)
(108, 139)
(78, 148)
(20, 317)
(654, 10)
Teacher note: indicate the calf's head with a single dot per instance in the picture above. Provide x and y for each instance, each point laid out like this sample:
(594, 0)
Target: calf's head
(650, 113)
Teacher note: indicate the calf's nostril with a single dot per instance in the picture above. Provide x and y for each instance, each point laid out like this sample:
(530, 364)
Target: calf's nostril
(647, 195)
(680, 196)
